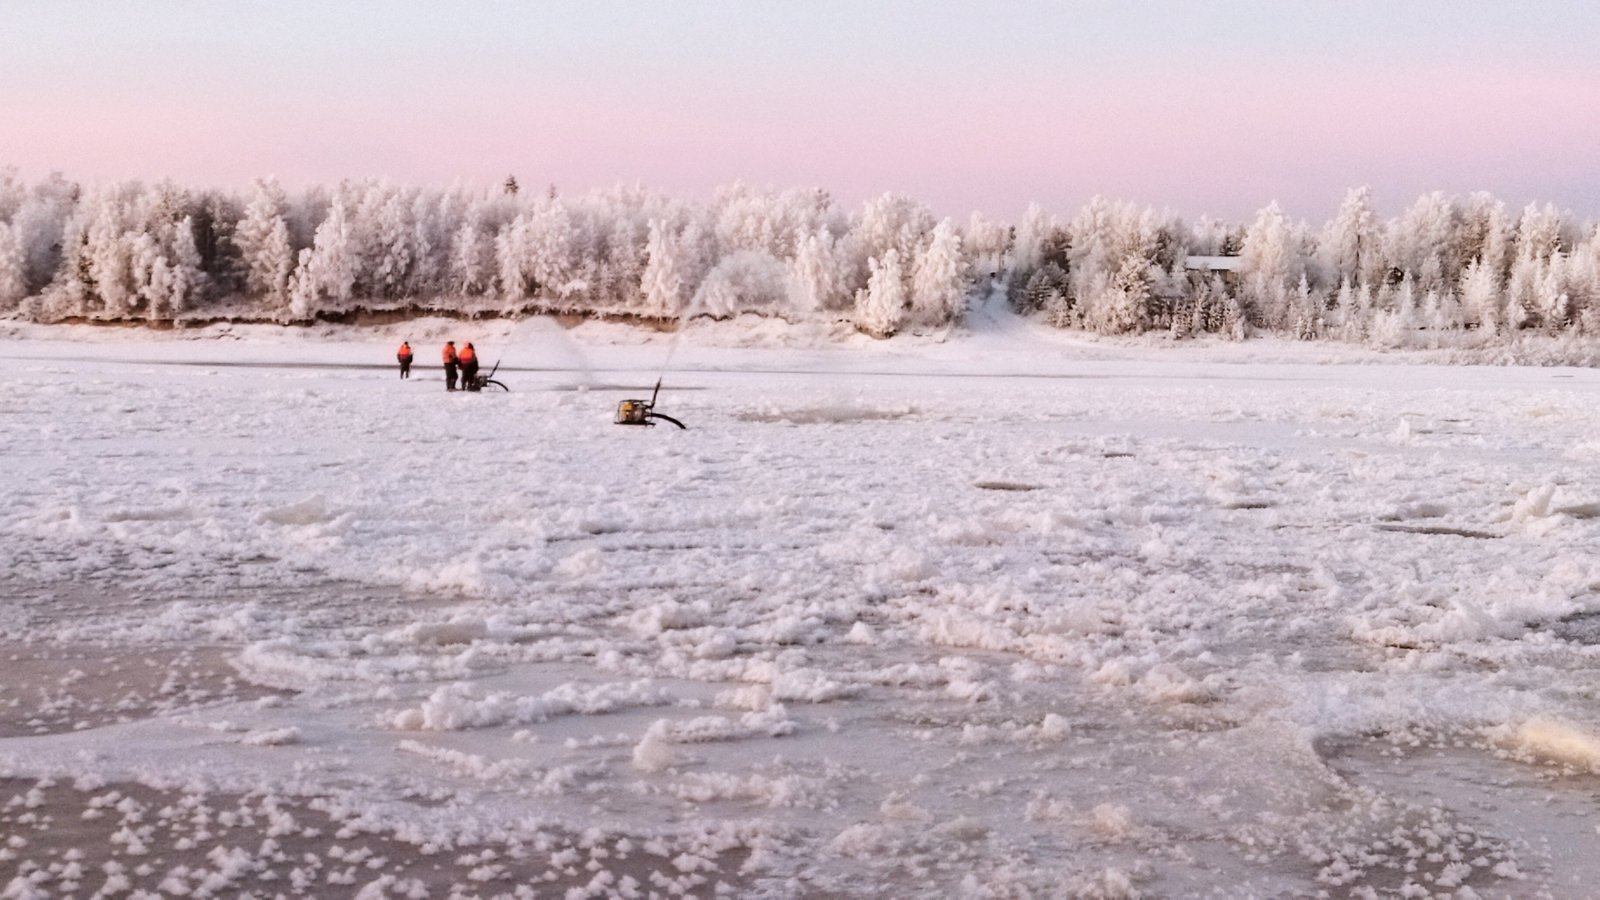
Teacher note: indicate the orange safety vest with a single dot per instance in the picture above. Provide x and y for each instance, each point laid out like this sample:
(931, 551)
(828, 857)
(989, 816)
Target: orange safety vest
(405, 351)
(468, 355)
(449, 354)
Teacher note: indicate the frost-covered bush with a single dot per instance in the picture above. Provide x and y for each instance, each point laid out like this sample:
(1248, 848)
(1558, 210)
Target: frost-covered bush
(747, 281)
(881, 305)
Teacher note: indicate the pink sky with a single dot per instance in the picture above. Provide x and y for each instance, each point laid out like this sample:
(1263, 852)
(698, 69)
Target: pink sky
(1197, 128)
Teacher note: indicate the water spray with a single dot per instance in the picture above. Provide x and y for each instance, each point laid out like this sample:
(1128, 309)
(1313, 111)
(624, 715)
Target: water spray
(643, 412)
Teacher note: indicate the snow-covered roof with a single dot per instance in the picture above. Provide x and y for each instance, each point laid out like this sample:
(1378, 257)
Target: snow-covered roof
(1214, 263)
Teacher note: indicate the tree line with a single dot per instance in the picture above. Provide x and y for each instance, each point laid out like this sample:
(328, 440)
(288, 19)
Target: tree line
(1447, 267)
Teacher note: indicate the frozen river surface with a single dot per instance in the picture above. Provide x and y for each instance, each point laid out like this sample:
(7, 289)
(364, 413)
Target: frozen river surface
(991, 617)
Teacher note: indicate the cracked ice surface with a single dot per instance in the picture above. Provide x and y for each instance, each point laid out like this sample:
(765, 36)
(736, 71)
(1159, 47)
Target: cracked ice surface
(1004, 615)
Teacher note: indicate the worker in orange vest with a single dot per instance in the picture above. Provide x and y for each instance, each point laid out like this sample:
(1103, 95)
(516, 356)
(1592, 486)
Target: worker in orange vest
(405, 359)
(450, 365)
(469, 368)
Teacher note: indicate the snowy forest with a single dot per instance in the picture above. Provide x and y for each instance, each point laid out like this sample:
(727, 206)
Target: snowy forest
(1448, 271)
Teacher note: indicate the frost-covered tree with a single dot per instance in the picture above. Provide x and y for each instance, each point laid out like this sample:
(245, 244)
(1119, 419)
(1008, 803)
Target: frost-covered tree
(1121, 268)
(262, 238)
(816, 273)
(391, 249)
(1351, 242)
(747, 281)
(40, 222)
(12, 190)
(1207, 236)
(1271, 264)
(1440, 315)
(1348, 316)
(1480, 297)
(1539, 232)
(165, 269)
(696, 255)
(1397, 325)
(327, 269)
(1047, 292)
(1582, 284)
(880, 306)
(939, 278)
(510, 252)
(1117, 304)
(1522, 299)
(1551, 300)
(1485, 235)
(472, 257)
(1307, 321)
(1424, 240)
(1093, 241)
(890, 222)
(13, 269)
(188, 274)
(107, 250)
(149, 273)
(770, 222)
(432, 225)
(536, 253)
(1027, 250)
(662, 282)
(987, 242)
(620, 272)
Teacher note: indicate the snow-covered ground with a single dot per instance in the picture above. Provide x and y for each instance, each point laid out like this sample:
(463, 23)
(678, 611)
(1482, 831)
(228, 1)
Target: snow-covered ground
(1004, 614)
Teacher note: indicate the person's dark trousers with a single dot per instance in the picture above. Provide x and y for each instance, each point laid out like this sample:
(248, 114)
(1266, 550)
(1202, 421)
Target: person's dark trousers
(469, 372)
(449, 376)
(405, 368)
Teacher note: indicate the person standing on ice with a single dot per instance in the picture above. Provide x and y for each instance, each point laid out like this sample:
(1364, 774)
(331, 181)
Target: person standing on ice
(405, 359)
(469, 367)
(450, 365)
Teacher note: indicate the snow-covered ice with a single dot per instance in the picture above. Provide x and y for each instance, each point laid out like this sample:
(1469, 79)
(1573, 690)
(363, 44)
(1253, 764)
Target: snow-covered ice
(1005, 614)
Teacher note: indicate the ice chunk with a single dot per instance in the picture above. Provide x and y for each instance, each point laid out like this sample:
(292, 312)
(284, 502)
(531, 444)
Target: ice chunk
(1533, 505)
(310, 511)
(444, 633)
(1554, 741)
(862, 633)
(1113, 821)
(654, 751)
(273, 737)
